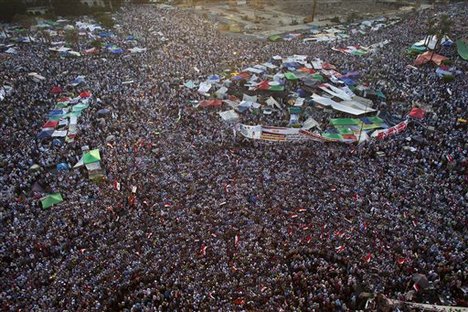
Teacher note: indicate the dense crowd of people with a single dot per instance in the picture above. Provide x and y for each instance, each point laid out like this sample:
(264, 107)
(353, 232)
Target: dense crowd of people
(218, 221)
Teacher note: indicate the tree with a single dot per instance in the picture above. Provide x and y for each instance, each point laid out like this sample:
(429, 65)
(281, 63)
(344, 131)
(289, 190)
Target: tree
(9, 8)
(68, 8)
(25, 21)
(440, 29)
(431, 31)
(314, 6)
(105, 20)
(96, 44)
(46, 38)
(72, 37)
(114, 4)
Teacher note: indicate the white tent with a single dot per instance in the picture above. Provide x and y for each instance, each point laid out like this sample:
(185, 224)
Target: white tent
(11, 51)
(36, 77)
(229, 115)
(137, 50)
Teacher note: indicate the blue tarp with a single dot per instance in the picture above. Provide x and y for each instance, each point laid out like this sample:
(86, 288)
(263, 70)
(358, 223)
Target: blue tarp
(62, 167)
(78, 80)
(44, 134)
(116, 51)
(105, 34)
(348, 81)
(291, 65)
(55, 112)
(214, 78)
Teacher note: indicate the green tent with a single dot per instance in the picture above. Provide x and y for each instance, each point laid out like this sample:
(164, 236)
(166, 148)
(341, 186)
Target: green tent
(91, 156)
(344, 121)
(359, 52)
(380, 94)
(51, 200)
(417, 49)
(276, 88)
(290, 76)
(345, 130)
(376, 120)
(462, 49)
(56, 117)
(295, 110)
(274, 38)
(61, 105)
(189, 84)
(332, 136)
(318, 77)
(79, 107)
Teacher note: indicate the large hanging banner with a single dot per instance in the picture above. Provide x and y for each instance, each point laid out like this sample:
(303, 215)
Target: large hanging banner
(279, 134)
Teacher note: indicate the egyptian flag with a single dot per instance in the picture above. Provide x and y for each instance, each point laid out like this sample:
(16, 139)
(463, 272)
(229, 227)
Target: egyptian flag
(401, 260)
(239, 301)
(131, 199)
(308, 239)
(416, 287)
(363, 226)
(367, 258)
(236, 241)
(340, 249)
(449, 158)
(203, 249)
(116, 185)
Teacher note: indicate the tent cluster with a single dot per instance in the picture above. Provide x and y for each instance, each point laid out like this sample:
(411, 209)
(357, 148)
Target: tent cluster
(337, 32)
(353, 50)
(424, 49)
(291, 85)
(56, 35)
(62, 122)
(430, 42)
(360, 50)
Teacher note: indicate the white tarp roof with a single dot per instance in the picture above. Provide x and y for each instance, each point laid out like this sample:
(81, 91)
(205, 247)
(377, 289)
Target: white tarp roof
(229, 115)
(36, 77)
(137, 50)
(332, 90)
(345, 107)
(249, 98)
(310, 123)
(273, 103)
(251, 132)
(204, 87)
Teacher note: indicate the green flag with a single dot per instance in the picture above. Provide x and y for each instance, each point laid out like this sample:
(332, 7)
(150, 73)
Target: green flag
(276, 88)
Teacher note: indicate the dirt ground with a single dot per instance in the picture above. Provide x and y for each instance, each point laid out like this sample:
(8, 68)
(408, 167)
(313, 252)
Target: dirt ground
(286, 16)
